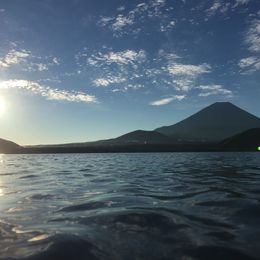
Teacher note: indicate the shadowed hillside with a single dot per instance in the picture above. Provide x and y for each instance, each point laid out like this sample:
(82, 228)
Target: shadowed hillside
(212, 124)
(142, 137)
(9, 147)
(248, 140)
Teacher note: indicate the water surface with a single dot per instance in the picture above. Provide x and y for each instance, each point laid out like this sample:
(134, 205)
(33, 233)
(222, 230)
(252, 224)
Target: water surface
(130, 206)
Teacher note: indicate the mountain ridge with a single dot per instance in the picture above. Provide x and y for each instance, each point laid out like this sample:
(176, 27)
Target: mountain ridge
(7, 146)
(214, 123)
(210, 129)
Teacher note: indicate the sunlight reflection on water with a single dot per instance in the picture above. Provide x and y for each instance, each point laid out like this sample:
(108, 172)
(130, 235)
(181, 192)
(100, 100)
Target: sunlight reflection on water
(1, 158)
(1, 162)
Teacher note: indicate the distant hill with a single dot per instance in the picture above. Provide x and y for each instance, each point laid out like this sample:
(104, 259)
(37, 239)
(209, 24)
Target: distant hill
(141, 137)
(212, 124)
(9, 147)
(135, 137)
(248, 140)
(203, 131)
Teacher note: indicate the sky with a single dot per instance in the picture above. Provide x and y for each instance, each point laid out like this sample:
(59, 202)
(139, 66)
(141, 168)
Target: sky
(84, 70)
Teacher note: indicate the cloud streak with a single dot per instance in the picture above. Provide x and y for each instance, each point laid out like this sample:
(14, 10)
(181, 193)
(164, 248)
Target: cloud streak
(249, 64)
(165, 101)
(252, 38)
(35, 88)
(210, 90)
(123, 23)
(104, 82)
(14, 57)
(119, 58)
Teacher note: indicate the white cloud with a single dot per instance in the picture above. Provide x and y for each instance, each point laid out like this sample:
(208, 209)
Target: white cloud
(250, 64)
(214, 8)
(121, 24)
(121, 21)
(27, 60)
(14, 57)
(105, 20)
(253, 36)
(56, 61)
(121, 8)
(184, 84)
(167, 100)
(188, 69)
(217, 7)
(209, 90)
(120, 58)
(47, 92)
(42, 67)
(104, 82)
(241, 2)
(167, 27)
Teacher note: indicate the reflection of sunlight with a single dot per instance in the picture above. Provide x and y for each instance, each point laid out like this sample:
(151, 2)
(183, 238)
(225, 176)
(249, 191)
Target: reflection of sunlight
(1, 162)
(1, 158)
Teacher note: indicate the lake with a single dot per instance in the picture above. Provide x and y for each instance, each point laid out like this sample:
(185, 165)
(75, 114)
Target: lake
(130, 206)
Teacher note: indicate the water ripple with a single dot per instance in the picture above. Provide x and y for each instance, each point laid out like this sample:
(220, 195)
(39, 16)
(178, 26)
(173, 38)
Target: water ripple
(130, 206)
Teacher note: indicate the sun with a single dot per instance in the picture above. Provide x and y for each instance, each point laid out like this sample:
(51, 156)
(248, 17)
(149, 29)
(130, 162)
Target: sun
(2, 106)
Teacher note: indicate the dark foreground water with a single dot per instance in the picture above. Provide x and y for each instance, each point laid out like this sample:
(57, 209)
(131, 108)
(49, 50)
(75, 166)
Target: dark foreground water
(130, 206)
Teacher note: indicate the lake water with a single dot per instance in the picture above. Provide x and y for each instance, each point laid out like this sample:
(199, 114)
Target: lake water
(130, 206)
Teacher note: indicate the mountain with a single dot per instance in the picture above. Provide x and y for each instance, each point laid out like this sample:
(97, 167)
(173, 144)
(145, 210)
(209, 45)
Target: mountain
(248, 140)
(142, 137)
(9, 147)
(212, 124)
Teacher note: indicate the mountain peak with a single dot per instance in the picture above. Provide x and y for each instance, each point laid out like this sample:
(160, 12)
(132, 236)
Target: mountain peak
(221, 103)
(213, 123)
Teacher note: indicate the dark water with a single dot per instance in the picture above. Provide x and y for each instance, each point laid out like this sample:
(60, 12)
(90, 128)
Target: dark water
(130, 206)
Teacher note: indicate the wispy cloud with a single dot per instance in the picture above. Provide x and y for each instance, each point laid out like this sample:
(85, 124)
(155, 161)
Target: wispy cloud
(14, 57)
(131, 67)
(167, 27)
(56, 61)
(185, 75)
(241, 2)
(213, 9)
(217, 7)
(209, 90)
(42, 67)
(167, 100)
(223, 7)
(120, 58)
(45, 91)
(104, 82)
(184, 84)
(249, 64)
(188, 69)
(105, 20)
(123, 23)
(252, 38)
(26, 60)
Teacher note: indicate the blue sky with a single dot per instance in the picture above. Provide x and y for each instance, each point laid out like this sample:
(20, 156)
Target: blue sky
(86, 70)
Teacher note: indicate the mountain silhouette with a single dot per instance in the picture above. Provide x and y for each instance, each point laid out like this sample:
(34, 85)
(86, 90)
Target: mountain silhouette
(248, 140)
(8, 146)
(221, 126)
(212, 124)
(142, 137)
